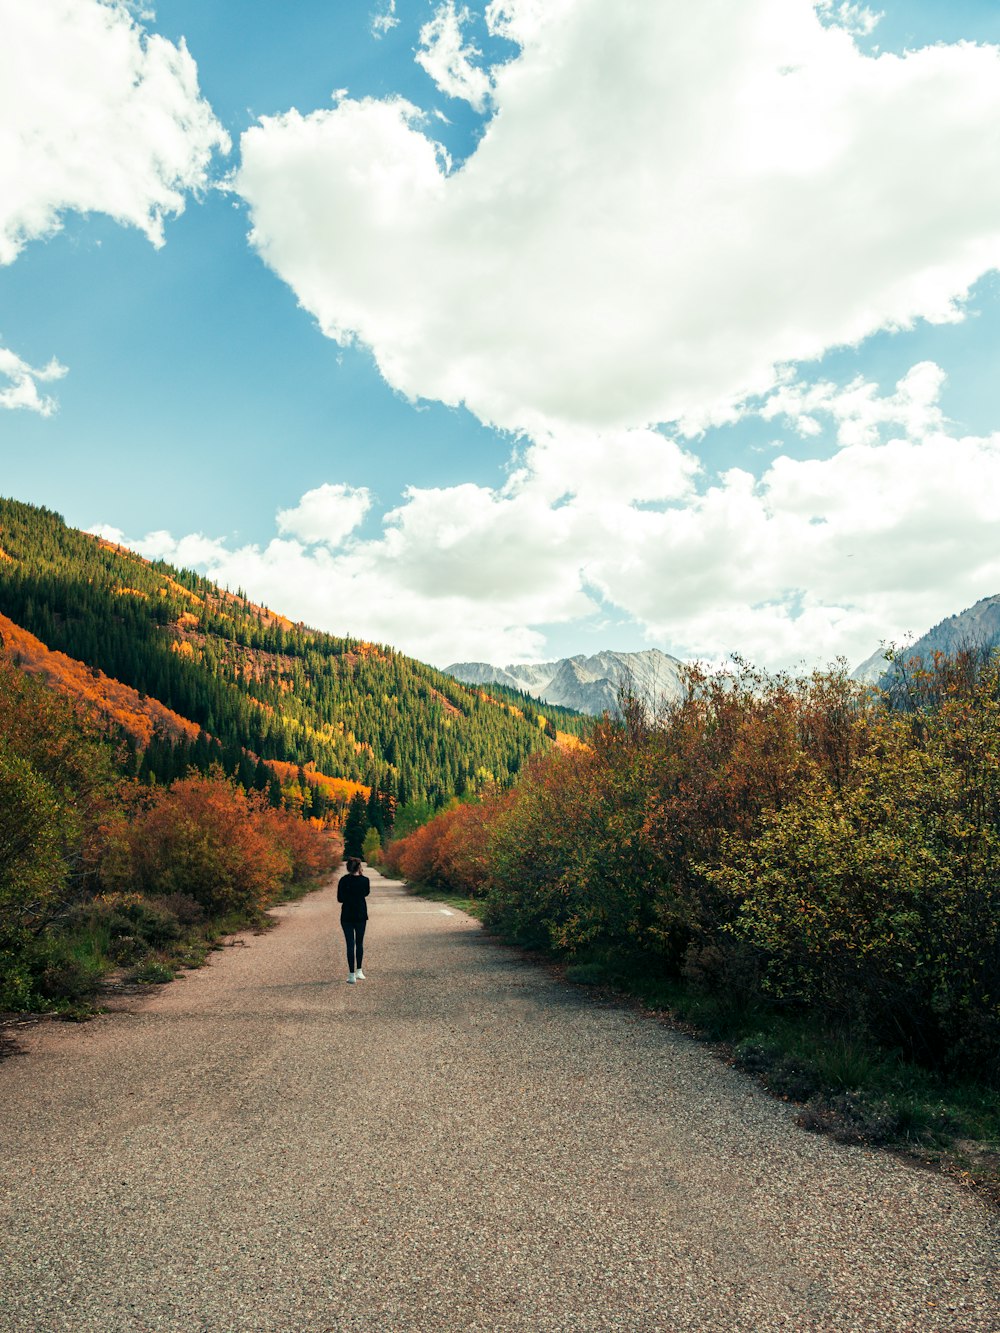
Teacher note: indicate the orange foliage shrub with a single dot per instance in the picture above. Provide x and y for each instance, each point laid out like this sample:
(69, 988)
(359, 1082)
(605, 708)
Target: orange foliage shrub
(460, 858)
(312, 851)
(58, 737)
(449, 852)
(412, 857)
(206, 838)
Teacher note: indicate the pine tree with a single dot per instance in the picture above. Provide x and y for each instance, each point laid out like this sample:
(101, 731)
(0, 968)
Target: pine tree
(374, 813)
(356, 825)
(318, 804)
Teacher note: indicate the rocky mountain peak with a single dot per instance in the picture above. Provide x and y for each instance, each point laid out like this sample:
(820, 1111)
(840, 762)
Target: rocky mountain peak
(589, 684)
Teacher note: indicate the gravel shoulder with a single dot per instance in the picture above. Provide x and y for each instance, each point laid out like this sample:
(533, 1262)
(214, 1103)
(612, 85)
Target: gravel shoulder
(459, 1142)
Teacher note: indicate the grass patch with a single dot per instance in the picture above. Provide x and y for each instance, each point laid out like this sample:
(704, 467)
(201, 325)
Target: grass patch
(861, 1093)
(152, 973)
(471, 906)
(113, 939)
(190, 955)
(852, 1089)
(293, 893)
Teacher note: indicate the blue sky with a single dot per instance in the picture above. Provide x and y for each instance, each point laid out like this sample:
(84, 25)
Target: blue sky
(607, 314)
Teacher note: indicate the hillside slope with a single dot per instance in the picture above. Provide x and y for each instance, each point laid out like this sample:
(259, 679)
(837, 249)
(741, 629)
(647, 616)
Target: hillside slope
(119, 705)
(247, 676)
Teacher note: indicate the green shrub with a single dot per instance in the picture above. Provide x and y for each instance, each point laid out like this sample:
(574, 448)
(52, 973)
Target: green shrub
(17, 981)
(32, 867)
(880, 904)
(151, 973)
(371, 848)
(587, 974)
(68, 969)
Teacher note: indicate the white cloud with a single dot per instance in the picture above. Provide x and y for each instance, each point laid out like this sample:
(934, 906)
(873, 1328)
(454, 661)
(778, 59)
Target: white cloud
(822, 557)
(327, 514)
(95, 115)
(814, 559)
(598, 468)
(21, 389)
(384, 19)
(672, 205)
(859, 410)
(449, 61)
(369, 592)
(193, 551)
(856, 19)
(671, 201)
(522, 21)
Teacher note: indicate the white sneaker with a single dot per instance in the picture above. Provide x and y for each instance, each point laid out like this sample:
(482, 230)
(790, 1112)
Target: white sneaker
(360, 975)
(350, 978)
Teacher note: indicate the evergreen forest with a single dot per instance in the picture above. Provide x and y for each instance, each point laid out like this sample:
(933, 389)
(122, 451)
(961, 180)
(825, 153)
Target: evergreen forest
(256, 689)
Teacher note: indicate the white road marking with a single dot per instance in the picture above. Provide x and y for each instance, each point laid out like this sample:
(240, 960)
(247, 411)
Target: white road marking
(444, 911)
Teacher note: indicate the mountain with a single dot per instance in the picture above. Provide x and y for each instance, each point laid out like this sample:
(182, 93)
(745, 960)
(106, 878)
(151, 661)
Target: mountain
(188, 673)
(530, 679)
(586, 684)
(977, 627)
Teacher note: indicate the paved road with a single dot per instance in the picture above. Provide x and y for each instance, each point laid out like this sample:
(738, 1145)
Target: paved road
(459, 1143)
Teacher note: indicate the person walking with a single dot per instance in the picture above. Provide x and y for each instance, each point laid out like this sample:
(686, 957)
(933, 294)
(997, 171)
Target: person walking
(352, 890)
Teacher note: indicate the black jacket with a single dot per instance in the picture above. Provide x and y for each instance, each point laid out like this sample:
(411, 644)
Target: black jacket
(352, 891)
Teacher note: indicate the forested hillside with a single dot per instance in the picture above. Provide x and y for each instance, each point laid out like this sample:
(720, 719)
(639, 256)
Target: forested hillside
(254, 685)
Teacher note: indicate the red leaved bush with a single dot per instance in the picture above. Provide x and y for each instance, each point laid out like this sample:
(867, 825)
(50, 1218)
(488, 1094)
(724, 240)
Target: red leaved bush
(206, 838)
(450, 851)
(312, 850)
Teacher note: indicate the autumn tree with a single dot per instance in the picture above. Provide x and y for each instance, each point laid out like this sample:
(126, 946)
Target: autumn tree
(199, 838)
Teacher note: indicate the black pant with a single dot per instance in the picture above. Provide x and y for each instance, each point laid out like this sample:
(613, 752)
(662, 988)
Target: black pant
(354, 934)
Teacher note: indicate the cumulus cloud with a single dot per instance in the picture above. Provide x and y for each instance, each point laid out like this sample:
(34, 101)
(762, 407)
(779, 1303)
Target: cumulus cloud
(327, 514)
(815, 558)
(367, 592)
(822, 557)
(192, 551)
(95, 115)
(384, 19)
(672, 202)
(22, 381)
(673, 209)
(444, 55)
(859, 410)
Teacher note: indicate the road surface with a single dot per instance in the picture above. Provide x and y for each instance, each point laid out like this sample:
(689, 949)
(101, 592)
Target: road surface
(458, 1143)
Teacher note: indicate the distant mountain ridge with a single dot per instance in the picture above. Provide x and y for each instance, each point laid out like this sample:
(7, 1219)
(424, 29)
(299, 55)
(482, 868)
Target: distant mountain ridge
(587, 684)
(978, 627)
